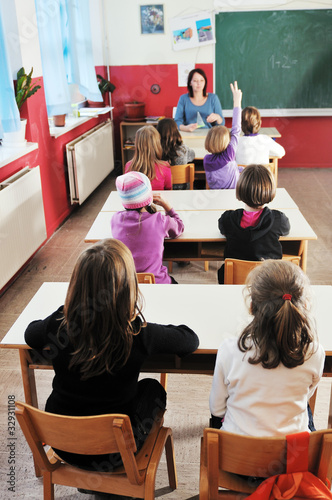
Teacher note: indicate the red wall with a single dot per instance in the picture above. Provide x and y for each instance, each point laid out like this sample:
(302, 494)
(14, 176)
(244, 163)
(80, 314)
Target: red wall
(51, 156)
(307, 140)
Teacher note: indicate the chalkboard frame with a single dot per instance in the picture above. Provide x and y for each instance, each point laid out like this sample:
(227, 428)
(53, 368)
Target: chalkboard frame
(271, 23)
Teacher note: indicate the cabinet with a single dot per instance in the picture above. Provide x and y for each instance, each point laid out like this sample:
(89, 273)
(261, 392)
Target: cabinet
(127, 138)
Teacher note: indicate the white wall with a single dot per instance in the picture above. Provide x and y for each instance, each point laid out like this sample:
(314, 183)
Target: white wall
(28, 35)
(128, 47)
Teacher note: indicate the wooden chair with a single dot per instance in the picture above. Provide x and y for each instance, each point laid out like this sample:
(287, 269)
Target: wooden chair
(101, 434)
(236, 270)
(182, 174)
(225, 455)
(146, 278)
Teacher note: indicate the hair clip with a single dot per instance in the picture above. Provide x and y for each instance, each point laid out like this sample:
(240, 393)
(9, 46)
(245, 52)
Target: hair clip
(287, 296)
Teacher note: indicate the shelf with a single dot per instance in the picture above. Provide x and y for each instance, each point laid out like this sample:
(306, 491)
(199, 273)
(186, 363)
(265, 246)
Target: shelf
(7, 154)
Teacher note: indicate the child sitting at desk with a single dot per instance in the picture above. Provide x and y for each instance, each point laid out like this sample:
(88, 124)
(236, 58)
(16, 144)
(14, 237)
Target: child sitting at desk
(175, 152)
(254, 147)
(220, 167)
(148, 159)
(253, 233)
(141, 228)
(264, 379)
(98, 342)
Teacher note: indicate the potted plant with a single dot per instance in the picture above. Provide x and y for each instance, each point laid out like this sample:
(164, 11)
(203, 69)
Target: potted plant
(134, 111)
(104, 86)
(23, 90)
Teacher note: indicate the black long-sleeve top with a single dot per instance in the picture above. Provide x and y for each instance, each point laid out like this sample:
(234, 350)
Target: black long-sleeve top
(106, 393)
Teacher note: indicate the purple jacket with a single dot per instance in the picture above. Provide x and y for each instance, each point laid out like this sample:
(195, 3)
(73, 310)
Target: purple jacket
(143, 233)
(222, 171)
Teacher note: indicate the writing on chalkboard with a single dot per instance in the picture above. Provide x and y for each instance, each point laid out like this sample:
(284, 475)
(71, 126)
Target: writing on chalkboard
(284, 62)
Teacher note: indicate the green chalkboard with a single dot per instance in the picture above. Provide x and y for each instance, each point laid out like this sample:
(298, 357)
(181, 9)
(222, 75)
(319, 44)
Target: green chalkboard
(281, 59)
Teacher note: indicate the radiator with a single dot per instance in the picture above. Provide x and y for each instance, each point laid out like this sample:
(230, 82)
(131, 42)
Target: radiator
(22, 221)
(90, 159)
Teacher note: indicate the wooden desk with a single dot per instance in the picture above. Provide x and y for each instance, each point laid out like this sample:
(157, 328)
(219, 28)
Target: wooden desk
(204, 199)
(201, 239)
(224, 315)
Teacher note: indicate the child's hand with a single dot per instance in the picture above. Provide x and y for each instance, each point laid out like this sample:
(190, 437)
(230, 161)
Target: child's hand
(158, 200)
(237, 95)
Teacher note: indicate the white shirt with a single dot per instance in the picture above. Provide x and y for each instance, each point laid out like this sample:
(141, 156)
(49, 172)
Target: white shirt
(257, 149)
(257, 401)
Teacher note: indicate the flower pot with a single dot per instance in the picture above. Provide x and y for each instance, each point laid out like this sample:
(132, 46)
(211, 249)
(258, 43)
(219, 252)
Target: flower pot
(134, 111)
(59, 120)
(96, 104)
(15, 139)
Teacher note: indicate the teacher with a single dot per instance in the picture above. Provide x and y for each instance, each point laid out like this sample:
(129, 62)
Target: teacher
(198, 101)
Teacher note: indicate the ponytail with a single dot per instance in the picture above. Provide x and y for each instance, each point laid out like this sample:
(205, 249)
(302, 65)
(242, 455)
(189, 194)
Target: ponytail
(281, 330)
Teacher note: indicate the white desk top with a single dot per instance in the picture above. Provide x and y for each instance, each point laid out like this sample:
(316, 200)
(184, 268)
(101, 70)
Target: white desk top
(204, 199)
(202, 225)
(196, 139)
(202, 132)
(223, 313)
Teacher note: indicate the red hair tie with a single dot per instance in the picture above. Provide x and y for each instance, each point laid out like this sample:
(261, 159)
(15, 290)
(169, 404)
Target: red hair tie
(287, 296)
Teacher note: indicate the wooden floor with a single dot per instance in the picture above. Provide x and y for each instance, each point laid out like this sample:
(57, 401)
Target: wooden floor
(187, 412)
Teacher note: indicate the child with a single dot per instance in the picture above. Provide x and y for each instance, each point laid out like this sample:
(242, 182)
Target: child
(174, 151)
(262, 381)
(253, 233)
(254, 147)
(98, 342)
(220, 167)
(141, 227)
(147, 159)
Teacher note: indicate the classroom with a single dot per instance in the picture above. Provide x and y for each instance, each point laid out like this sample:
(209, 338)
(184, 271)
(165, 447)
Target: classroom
(58, 211)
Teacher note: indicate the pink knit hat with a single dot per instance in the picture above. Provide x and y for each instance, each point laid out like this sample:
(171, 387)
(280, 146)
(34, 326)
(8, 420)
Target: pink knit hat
(134, 189)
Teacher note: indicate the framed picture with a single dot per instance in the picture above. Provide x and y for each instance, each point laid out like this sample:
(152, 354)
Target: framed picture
(152, 19)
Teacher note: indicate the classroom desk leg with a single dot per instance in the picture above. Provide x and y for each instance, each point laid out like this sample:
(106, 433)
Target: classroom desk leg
(29, 386)
(303, 251)
(163, 380)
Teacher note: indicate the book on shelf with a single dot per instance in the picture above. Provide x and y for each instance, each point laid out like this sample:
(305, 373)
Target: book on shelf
(153, 119)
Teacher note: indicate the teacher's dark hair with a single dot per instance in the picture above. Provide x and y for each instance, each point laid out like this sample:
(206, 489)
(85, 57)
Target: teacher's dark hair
(190, 77)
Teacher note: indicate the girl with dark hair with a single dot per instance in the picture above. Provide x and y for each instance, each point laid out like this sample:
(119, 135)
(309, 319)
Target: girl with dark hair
(98, 342)
(198, 105)
(264, 379)
(175, 152)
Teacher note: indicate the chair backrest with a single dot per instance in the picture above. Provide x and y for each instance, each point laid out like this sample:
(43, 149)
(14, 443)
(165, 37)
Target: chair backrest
(146, 278)
(236, 270)
(95, 435)
(225, 456)
(182, 174)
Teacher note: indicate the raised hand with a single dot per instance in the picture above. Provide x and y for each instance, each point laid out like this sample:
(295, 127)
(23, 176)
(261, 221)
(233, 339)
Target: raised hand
(237, 95)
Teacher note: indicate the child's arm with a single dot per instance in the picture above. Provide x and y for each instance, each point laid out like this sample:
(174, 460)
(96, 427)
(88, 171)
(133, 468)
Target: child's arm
(276, 149)
(173, 224)
(158, 200)
(284, 224)
(219, 393)
(236, 122)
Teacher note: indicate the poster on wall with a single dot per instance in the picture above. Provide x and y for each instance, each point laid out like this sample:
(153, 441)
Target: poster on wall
(152, 19)
(192, 31)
